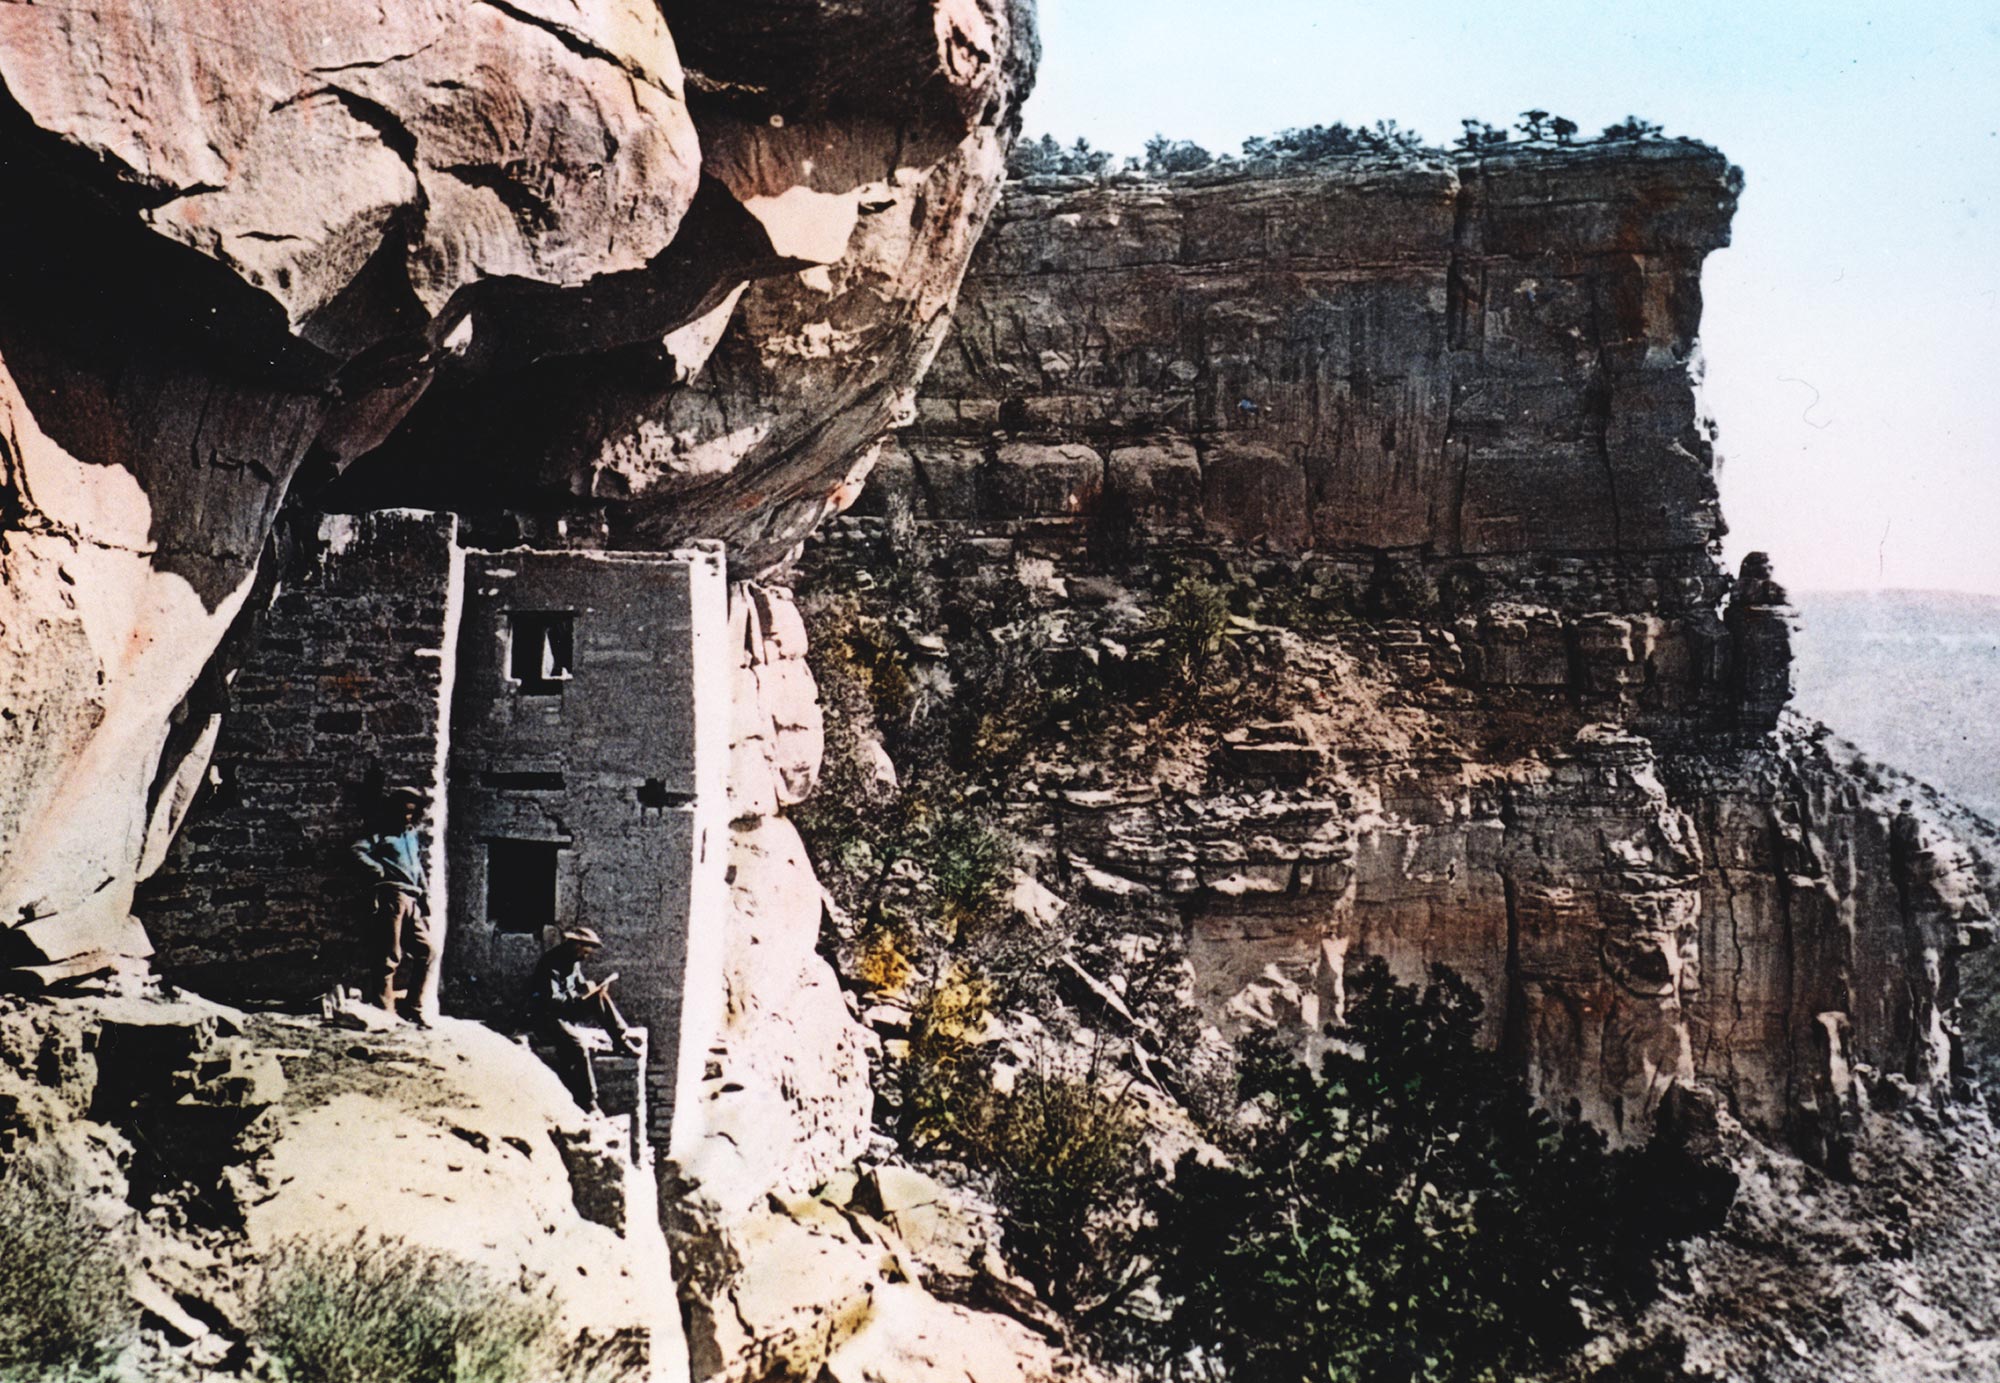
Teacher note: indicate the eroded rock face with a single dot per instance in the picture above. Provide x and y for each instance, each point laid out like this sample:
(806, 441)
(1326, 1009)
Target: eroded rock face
(551, 143)
(472, 253)
(788, 1098)
(1433, 428)
(198, 1137)
(1637, 909)
(1483, 358)
(786, 1272)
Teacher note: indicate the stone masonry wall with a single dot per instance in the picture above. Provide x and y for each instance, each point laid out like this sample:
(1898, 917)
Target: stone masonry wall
(603, 786)
(385, 659)
(341, 693)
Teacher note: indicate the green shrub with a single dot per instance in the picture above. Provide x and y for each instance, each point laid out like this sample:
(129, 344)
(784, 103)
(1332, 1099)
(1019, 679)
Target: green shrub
(368, 1310)
(857, 827)
(65, 1310)
(1167, 156)
(1065, 1154)
(1479, 135)
(1012, 690)
(1336, 140)
(1048, 155)
(1408, 1214)
(1535, 125)
(1631, 127)
(859, 662)
(966, 860)
(959, 862)
(1194, 629)
(1001, 703)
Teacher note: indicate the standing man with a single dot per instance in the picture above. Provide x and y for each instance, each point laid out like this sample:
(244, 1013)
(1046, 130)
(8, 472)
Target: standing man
(399, 923)
(577, 1017)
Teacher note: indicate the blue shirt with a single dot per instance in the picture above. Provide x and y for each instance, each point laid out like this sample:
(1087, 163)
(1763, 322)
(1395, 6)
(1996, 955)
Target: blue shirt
(395, 859)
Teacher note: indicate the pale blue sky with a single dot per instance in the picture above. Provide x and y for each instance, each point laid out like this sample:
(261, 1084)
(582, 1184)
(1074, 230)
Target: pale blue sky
(1850, 330)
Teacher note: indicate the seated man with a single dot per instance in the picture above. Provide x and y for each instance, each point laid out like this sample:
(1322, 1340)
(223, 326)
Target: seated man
(577, 1017)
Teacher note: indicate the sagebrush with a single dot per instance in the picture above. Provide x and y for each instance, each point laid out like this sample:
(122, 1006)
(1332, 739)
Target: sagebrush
(372, 1309)
(1066, 1156)
(65, 1310)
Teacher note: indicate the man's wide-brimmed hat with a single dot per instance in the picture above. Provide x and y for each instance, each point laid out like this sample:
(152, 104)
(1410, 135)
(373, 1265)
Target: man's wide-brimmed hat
(414, 796)
(582, 936)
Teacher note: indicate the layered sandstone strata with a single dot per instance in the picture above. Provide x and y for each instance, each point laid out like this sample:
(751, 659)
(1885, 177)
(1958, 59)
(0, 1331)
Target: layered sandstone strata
(1434, 426)
(1481, 358)
(1477, 375)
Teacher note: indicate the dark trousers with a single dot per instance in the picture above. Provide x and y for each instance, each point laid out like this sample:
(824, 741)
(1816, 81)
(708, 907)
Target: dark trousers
(401, 930)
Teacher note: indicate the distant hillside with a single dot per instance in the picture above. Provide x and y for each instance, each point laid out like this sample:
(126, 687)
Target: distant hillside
(1913, 678)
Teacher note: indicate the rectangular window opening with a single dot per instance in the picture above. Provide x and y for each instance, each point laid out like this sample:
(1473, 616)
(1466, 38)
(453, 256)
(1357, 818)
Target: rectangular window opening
(541, 650)
(521, 884)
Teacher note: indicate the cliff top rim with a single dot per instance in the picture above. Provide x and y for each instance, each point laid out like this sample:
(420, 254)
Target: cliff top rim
(1369, 167)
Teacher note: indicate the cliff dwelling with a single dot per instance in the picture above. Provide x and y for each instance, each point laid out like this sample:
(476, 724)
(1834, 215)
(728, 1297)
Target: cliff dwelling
(1169, 757)
(563, 711)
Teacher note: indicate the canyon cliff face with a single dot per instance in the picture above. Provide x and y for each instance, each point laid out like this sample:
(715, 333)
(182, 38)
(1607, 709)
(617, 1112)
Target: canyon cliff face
(1432, 429)
(656, 269)
(627, 276)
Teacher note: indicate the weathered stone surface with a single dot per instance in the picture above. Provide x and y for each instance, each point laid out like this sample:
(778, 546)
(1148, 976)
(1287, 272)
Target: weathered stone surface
(470, 253)
(1045, 481)
(947, 1244)
(534, 141)
(947, 478)
(804, 1289)
(191, 1127)
(1482, 357)
(1159, 486)
(788, 1098)
(1565, 804)
(852, 219)
(1255, 494)
(910, 1338)
(778, 1281)
(1760, 620)
(822, 1297)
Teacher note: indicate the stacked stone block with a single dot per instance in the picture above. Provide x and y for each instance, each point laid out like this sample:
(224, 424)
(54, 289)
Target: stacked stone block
(341, 694)
(605, 775)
